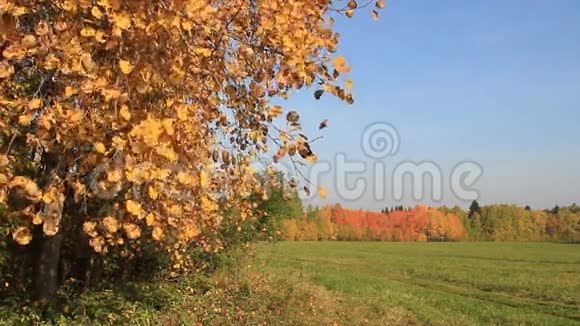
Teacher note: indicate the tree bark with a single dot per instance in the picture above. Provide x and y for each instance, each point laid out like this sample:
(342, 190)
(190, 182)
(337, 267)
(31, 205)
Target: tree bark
(45, 280)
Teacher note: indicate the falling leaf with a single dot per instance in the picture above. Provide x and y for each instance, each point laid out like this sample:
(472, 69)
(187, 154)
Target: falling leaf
(348, 83)
(318, 94)
(375, 15)
(322, 192)
(323, 124)
(292, 116)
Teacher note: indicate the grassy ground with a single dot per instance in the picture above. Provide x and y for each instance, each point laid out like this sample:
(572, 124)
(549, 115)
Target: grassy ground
(437, 283)
(343, 283)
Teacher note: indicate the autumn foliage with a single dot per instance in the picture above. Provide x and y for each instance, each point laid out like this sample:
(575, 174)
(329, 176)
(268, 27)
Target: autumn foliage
(126, 122)
(422, 223)
(336, 223)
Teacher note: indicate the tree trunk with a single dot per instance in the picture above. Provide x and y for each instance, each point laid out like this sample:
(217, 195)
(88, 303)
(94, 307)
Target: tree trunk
(45, 280)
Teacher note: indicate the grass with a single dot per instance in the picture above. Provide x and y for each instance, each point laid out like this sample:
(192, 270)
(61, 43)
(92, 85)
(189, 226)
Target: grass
(438, 283)
(342, 283)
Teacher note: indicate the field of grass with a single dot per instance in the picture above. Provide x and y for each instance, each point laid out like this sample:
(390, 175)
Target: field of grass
(437, 283)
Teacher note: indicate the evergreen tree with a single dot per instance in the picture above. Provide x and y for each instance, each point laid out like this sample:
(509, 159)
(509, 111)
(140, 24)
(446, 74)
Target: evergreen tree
(474, 208)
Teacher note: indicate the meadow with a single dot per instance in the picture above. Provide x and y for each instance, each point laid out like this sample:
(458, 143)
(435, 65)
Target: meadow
(465, 283)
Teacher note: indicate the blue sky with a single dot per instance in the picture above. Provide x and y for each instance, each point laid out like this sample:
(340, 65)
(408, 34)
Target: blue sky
(495, 82)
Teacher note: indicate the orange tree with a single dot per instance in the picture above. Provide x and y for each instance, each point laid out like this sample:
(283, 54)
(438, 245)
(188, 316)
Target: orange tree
(126, 121)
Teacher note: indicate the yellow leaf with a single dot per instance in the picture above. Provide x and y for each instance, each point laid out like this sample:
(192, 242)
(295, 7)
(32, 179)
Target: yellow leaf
(126, 66)
(153, 193)
(114, 176)
(4, 161)
(88, 32)
(68, 5)
(14, 52)
(205, 52)
(34, 104)
(157, 233)
(204, 179)
(90, 228)
(97, 244)
(338, 62)
(312, 158)
(348, 83)
(182, 112)
(168, 126)
(118, 143)
(110, 224)
(283, 137)
(25, 120)
(69, 91)
(37, 219)
(150, 219)
(375, 15)
(100, 148)
(124, 113)
(29, 41)
(322, 192)
(122, 21)
(133, 207)
(22, 235)
(132, 231)
(185, 178)
(96, 12)
(187, 25)
(380, 4)
(275, 111)
(6, 70)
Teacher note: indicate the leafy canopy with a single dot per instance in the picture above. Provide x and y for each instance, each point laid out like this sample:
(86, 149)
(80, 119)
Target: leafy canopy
(143, 117)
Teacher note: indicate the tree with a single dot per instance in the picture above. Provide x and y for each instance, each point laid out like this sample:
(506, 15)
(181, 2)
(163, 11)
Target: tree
(128, 121)
(474, 208)
(528, 208)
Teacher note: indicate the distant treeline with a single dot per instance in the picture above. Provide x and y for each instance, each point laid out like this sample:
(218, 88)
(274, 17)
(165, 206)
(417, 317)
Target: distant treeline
(486, 223)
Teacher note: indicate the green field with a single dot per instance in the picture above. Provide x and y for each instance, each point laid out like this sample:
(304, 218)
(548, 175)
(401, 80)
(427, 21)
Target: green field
(438, 283)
